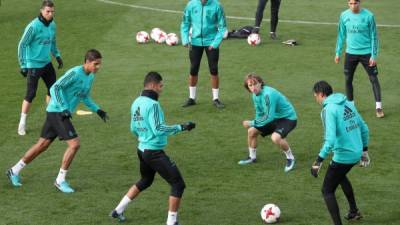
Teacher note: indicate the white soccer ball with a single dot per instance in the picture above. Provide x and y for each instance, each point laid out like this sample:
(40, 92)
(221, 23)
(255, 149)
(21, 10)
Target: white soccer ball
(226, 34)
(155, 32)
(142, 37)
(270, 213)
(254, 39)
(172, 39)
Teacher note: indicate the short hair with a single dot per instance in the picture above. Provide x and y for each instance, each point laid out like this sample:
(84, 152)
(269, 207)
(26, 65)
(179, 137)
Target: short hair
(323, 87)
(354, 0)
(47, 3)
(92, 55)
(254, 77)
(152, 77)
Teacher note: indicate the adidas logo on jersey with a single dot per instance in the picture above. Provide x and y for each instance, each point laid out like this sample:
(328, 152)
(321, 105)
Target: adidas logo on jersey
(348, 113)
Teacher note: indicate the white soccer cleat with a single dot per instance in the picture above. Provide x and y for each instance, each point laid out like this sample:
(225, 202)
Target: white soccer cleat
(21, 129)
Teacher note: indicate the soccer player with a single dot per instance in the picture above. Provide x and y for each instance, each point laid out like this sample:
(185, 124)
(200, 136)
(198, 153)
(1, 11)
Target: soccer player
(66, 93)
(275, 116)
(357, 27)
(275, 4)
(34, 49)
(147, 123)
(346, 134)
(206, 18)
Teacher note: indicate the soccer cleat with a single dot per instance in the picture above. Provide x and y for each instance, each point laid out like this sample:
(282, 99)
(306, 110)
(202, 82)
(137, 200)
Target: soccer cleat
(379, 113)
(189, 102)
(353, 215)
(64, 187)
(272, 35)
(246, 161)
(21, 129)
(217, 103)
(290, 165)
(14, 179)
(121, 218)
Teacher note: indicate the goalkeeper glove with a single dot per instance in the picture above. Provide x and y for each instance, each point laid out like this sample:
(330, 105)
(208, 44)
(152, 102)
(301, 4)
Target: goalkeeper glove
(365, 160)
(316, 167)
(66, 114)
(60, 62)
(24, 72)
(188, 126)
(103, 115)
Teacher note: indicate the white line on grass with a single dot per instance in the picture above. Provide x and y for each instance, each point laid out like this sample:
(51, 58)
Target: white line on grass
(229, 17)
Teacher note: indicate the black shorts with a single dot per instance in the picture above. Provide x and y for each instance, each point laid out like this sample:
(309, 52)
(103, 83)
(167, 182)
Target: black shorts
(57, 126)
(280, 126)
(48, 75)
(351, 62)
(152, 161)
(195, 54)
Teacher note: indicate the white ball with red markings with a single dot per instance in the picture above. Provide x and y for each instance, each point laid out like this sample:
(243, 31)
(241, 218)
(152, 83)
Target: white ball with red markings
(172, 39)
(142, 37)
(270, 213)
(162, 37)
(155, 33)
(254, 39)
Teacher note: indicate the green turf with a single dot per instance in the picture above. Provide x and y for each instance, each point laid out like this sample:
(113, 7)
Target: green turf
(219, 192)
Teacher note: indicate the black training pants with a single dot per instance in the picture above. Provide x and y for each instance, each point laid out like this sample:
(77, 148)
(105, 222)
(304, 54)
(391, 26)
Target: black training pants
(275, 4)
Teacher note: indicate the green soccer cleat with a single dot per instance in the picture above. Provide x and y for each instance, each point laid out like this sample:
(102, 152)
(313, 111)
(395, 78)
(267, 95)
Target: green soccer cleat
(290, 165)
(121, 218)
(64, 187)
(14, 179)
(247, 161)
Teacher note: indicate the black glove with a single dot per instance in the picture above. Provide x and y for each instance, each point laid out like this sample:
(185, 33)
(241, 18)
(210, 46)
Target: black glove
(24, 72)
(60, 62)
(66, 114)
(315, 168)
(103, 115)
(188, 126)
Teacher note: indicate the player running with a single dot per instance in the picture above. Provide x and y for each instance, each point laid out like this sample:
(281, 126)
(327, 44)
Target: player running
(66, 94)
(275, 116)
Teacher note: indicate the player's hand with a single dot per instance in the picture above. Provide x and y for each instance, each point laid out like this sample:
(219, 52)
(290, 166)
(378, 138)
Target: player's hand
(315, 168)
(246, 124)
(186, 46)
(372, 62)
(210, 48)
(103, 115)
(66, 114)
(337, 59)
(188, 126)
(24, 72)
(365, 160)
(60, 62)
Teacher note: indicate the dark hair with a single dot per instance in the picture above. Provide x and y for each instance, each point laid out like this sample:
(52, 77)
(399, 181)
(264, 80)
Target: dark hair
(354, 0)
(152, 77)
(254, 77)
(47, 3)
(92, 55)
(322, 87)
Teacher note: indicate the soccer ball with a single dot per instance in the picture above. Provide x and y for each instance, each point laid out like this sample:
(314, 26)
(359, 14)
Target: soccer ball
(158, 35)
(226, 34)
(270, 213)
(172, 39)
(254, 39)
(155, 32)
(142, 37)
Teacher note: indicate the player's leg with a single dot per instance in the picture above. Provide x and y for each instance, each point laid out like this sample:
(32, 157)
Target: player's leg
(213, 58)
(278, 137)
(147, 177)
(252, 134)
(275, 5)
(372, 72)
(32, 84)
(350, 65)
(49, 78)
(334, 176)
(354, 213)
(195, 54)
(170, 172)
(259, 14)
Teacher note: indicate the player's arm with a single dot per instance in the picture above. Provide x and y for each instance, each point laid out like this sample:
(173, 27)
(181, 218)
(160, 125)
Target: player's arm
(158, 125)
(329, 122)
(268, 111)
(374, 38)
(59, 89)
(221, 24)
(26, 39)
(88, 101)
(54, 49)
(185, 26)
(340, 39)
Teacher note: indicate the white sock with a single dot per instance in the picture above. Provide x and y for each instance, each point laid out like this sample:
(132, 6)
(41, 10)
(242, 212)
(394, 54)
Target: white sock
(192, 92)
(172, 218)
(289, 154)
(215, 93)
(23, 118)
(252, 152)
(18, 167)
(61, 176)
(123, 204)
(378, 105)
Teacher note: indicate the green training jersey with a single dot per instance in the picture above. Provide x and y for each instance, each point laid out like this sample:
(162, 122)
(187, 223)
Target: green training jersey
(71, 89)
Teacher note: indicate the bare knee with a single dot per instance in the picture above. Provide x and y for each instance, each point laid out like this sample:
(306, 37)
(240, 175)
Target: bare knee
(276, 138)
(74, 144)
(252, 132)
